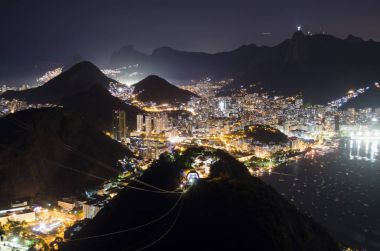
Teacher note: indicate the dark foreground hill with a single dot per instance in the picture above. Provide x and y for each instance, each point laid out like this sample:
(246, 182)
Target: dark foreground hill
(158, 90)
(321, 66)
(96, 105)
(228, 211)
(369, 99)
(77, 79)
(49, 153)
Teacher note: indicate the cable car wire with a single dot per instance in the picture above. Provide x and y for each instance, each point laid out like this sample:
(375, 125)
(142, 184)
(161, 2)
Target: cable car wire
(132, 228)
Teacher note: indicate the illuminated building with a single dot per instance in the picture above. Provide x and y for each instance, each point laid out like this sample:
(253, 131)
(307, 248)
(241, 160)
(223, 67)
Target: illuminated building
(298, 103)
(222, 105)
(67, 204)
(160, 123)
(18, 204)
(152, 149)
(148, 124)
(17, 214)
(337, 123)
(90, 210)
(140, 122)
(16, 105)
(119, 125)
(192, 177)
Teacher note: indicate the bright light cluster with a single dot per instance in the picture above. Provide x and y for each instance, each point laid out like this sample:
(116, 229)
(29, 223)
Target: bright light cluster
(350, 94)
(49, 75)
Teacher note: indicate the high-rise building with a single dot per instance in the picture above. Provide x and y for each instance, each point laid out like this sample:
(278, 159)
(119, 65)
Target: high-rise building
(337, 123)
(148, 124)
(157, 124)
(298, 102)
(140, 122)
(165, 122)
(160, 123)
(119, 125)
(222, 105)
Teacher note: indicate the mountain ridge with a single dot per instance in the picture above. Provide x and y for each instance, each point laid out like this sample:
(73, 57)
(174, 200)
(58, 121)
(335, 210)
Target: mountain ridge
(77, 79)
(321, 66)
(83, 90)
(158, 90)
(369, 99)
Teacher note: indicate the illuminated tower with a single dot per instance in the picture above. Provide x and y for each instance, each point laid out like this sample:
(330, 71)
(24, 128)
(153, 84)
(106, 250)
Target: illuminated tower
(165, 122)
(140, 122)
(298, 102)
(148, 124)
(119, 129)
(337, 123)
(157, 124)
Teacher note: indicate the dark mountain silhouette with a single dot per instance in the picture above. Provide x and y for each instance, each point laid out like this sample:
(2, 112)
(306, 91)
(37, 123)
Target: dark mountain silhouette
(96, 105)
(265, 134)
(353, 39)
(158, 90)
(48, 152)
(231, 210)
(127, 56)
(77, 79)
(320, 66)
(369, 99)
(75, 60)
(82, 89)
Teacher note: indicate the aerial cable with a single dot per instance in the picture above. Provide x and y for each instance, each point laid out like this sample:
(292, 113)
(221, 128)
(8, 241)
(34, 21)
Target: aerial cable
(151, 186)
(164, 234)
(152, 191)
(132, 228)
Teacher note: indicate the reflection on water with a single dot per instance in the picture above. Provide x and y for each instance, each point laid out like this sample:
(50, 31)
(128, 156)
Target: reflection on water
(340, 190)
(363, 149)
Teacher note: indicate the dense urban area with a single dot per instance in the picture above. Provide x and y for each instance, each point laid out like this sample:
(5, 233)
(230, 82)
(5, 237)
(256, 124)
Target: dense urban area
(259, 129)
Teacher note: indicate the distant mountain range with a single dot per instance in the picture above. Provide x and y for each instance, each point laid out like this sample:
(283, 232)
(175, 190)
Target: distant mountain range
(49, 152)
(158, 90)
(82, 89)
(231, 210)
(320, 66)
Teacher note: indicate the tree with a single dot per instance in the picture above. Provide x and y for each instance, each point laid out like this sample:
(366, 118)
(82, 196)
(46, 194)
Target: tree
(2, 233)
(16, 226)
(41, 245)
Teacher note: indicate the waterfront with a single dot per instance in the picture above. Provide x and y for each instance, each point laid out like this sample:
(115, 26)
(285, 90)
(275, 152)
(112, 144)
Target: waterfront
(338, 189)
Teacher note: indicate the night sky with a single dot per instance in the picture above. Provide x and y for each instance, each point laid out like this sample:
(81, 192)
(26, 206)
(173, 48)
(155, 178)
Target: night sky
(56, 30)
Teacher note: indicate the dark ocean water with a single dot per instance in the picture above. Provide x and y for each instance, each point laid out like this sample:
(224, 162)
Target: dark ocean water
(339, 189)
